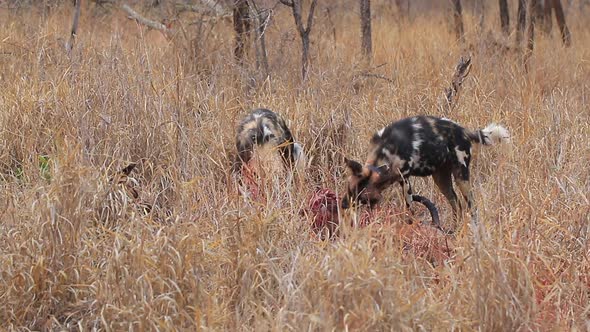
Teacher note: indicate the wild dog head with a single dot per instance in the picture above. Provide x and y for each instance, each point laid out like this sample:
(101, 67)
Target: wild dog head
(263, 127)
(365, 183)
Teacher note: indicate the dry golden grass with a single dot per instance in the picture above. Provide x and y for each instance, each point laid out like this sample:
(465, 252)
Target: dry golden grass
(206, 257)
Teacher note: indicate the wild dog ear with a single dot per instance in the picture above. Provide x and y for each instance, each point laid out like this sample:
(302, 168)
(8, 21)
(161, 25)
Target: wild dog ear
(127, 170)
(383, 169)
(355, 168)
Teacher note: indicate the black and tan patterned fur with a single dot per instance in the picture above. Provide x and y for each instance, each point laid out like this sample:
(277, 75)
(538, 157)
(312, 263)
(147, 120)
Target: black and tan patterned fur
(262, 127)
(122, 197)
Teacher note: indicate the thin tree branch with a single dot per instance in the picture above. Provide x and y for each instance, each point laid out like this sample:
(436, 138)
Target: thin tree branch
(560, 17)
(452, 92)
(288, 3)
(458, 20)
(530, 33)
(304, 32)
(521, 21)
(241, 22)
(310, 16)
(142, 20)
(208, 7)
(504, 17)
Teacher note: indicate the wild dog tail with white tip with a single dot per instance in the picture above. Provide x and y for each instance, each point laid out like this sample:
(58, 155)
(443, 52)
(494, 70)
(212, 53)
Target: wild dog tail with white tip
(490, 135)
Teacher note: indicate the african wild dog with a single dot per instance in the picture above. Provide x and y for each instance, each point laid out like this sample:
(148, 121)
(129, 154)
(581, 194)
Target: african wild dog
(419, 146)
(122, 197)
(263, 127)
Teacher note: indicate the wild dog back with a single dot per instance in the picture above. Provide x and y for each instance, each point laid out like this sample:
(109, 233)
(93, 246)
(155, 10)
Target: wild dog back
(419, 145)
(265, 127)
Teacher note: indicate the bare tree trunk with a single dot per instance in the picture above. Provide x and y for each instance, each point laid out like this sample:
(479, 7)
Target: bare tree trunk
(331, 22)
(366, 29)
(398, 4)
(304, 57)
(560, 17)
(74, 31)
(537, 10)
(504, 17)
(481, 11)
(262, 19)
(458, 20)
(521, 23)
(530, 33)
(296, 7)
(402, 10)
(241, 27)
(263, 23)
(547, 19)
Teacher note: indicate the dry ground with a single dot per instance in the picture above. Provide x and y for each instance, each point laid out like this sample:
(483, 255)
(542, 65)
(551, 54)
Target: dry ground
(206, 257)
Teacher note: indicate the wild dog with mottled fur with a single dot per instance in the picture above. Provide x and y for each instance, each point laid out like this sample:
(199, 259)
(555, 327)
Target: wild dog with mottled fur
(264, 127)
(122, 197)
(419, 146)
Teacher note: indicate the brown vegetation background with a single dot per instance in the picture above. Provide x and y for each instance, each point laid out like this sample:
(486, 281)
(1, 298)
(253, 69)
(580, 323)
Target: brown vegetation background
(205, 257)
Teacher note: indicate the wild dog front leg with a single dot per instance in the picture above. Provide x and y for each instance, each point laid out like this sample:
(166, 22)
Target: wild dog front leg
(407, 192)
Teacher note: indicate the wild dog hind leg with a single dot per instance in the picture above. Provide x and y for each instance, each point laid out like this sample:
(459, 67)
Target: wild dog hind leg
(443, 180)
(462, 180)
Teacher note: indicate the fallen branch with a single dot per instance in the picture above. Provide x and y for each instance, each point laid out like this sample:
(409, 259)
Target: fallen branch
(142, 20)
(452, 93)
(370, 73)
(379, 76)
(6, 41)
(288, 3)
(207, 7)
